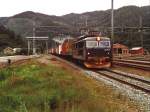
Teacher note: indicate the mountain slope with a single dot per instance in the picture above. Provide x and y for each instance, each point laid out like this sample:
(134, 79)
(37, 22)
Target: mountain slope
(22, 24)
(126, 16)
(8, 38)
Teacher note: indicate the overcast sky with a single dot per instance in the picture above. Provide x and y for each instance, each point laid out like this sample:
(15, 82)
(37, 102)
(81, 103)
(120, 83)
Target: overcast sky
(62, 7)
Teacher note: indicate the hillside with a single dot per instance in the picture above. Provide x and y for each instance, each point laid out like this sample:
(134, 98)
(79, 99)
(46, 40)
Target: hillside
(22, 23)
(8, 38)
(128, 16)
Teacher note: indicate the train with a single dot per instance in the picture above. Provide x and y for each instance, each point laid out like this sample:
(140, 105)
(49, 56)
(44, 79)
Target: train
(93, 50)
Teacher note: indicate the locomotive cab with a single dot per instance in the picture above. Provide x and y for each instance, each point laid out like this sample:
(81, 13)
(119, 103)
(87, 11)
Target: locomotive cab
(98, 52)
(93, 51)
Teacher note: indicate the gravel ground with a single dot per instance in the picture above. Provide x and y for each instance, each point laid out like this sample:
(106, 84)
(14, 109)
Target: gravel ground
(142, 98)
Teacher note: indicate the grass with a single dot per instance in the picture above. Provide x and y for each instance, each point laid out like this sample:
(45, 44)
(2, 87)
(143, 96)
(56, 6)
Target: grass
(35, 87)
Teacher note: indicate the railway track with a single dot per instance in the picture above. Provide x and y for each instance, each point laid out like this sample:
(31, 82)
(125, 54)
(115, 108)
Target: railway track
(144, 65)
(130, 80)
(134, 81)
(135, 87)
(140, 58)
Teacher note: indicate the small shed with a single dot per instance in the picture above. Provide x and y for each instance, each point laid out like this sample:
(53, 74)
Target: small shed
(137, 51)
(8, 51)
(120, 49)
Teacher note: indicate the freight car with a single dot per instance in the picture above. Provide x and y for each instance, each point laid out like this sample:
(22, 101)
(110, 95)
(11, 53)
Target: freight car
(92, 50)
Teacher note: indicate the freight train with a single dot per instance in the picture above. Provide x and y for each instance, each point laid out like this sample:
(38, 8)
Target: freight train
(93, 50)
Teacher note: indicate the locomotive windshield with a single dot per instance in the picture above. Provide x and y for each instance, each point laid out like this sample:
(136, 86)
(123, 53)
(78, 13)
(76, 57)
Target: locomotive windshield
(97, 44)
(91, 44)
(104, 44)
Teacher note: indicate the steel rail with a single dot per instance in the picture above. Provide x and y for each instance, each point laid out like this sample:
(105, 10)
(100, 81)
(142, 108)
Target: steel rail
(129, 76)
(133, 61)
(133, 65)
(125, 82)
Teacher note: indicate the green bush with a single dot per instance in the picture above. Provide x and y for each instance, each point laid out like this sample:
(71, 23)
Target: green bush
(9, 103)
(4, 74)
(33, 87)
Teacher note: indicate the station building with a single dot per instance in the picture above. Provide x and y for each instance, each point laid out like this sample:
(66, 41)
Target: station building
(137, 51)
(120, 50)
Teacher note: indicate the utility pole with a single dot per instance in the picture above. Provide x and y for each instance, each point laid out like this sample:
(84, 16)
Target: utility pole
(141, 30)
(112, 26)
(149, 6)
(86, 23)
(34, 49)
(85, 18)
(112, 21)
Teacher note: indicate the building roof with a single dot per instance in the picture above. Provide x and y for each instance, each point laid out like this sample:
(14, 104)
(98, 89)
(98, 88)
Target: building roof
(137, 48)
(8, 48)
(60, 39)
(117, 45)
(37, 38)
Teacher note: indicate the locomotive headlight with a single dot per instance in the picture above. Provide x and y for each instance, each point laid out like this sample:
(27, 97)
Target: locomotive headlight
(98, 38)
